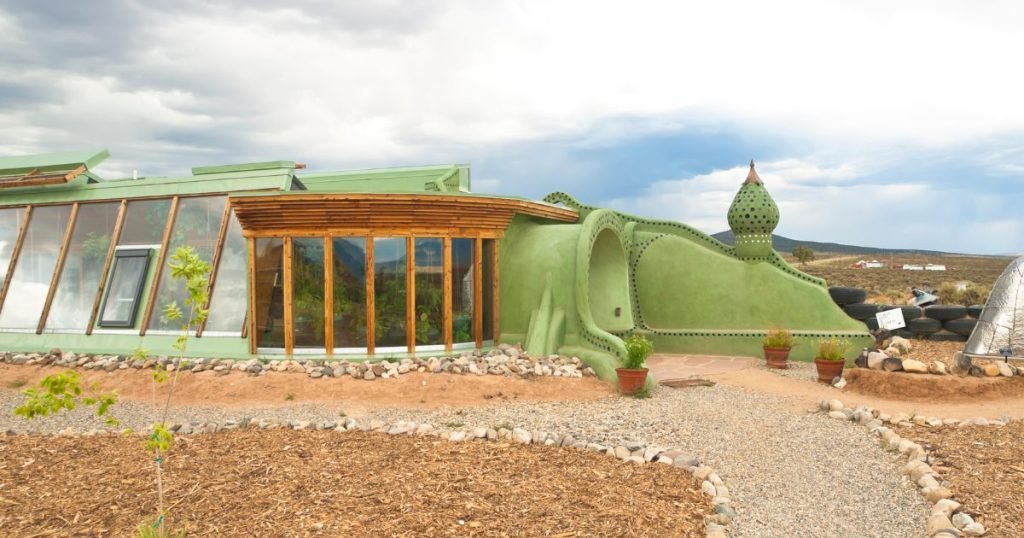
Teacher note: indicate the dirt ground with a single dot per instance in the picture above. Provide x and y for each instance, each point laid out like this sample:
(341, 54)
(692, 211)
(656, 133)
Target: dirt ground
(325, 483)
(986, 469)
(420, 390)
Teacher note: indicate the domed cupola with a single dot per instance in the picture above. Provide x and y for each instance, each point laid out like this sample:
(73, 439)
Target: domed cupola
(753, 217)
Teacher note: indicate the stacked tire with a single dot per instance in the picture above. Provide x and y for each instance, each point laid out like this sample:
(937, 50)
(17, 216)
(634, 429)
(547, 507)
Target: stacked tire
(938, 322)
(955, 323)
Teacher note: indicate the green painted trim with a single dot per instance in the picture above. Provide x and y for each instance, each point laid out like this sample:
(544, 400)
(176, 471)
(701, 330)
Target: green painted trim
(245, 167)
(48, 162)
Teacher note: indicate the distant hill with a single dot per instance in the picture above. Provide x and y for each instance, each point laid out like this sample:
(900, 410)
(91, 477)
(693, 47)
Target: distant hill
(786, 245)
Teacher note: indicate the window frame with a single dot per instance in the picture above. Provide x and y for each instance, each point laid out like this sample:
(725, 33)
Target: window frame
(140, 284)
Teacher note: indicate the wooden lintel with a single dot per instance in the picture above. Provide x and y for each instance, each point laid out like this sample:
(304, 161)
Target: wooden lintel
(161, 258)
(215, 263)
(115, 236)
(446, 310)
(62, 256)
(14, 256)
(289, 325)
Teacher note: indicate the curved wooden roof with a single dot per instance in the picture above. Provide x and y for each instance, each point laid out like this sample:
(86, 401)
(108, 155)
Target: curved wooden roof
(390, 214)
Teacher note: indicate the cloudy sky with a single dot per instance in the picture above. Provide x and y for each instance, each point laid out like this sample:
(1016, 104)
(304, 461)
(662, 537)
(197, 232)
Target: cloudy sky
(892, 124)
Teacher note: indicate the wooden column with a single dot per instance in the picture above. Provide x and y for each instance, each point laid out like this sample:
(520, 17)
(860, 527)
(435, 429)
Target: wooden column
(115, 236)
(251, 321)
(410, 294)
(371, 314)
(14, 255)
(161, 258)
(446, 310)
(495, 310)
(62, 256)
(329, 296)
(215, 263)
(289, 329)
(478, 292)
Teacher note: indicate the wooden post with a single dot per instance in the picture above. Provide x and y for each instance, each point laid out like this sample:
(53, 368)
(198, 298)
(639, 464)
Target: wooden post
(478, 292)
(14, 256)
(252, 296)
(289, 334)
(410, 294)
(446, 315)
(371, 320)
(161, 258)
(115, 236)
(62, 256)
(215, 263)
(495, 310)
(329, 295)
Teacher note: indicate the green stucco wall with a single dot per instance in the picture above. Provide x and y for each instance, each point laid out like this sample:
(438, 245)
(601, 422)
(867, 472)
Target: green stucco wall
(609, 284)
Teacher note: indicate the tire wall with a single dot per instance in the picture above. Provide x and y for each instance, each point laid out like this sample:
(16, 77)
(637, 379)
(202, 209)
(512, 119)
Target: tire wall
(952, 323)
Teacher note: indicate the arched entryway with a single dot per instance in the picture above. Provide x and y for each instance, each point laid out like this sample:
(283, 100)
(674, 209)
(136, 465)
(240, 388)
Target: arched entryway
(609, 283)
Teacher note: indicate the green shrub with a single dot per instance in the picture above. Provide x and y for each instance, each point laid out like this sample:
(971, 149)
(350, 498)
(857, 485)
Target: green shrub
(971, 294)
(637, 350)
(778, 338)
(832, 349)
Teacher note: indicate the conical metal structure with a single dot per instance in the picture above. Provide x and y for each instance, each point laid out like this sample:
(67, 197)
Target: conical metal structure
(1000, 329)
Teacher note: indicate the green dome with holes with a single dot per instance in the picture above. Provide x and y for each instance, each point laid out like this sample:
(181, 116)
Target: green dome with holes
(753, 217)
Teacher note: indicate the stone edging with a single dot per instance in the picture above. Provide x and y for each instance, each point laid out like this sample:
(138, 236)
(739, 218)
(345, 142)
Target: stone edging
(716, 525)
(890, 360)
(946, 519)
(505, 361)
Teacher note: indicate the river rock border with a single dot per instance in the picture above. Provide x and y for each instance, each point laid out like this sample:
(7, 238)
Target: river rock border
(946, 519)
(505, 360)
(890, 359)
(711, 484)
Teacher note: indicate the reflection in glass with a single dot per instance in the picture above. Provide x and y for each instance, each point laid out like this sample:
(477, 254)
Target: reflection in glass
(86, 254)
(10, 224)
(389, 291)
(487, 278)
(308, 291)
(197, 225)
(429, 291)
(144, 222)
(462, 290)
(31, 278)
(269, 307)
(349, 292)
(230, 294)
(127, 276)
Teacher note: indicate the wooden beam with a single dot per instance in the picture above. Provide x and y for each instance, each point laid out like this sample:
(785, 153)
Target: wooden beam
(161, 258)
(115, 236)
(62, 256)
(74, 173)
(371, 313)
(410, 294)
(377, 232)
(478, 292)
(215, 263)
(289, 322)
(32, 172)
(251, 311)
(446, 315)
(495, 304)
(329, 296)
(14, 256)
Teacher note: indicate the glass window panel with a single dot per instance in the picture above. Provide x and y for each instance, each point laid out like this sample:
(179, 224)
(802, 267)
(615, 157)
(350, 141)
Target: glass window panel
(10, 223)
(429, 291)
(349, 292)
(197, 225)
(389, 291)
(308, 291)
(144, 222)
(230, 293)
(127, 277)
(34, 270)
(462, 290)
(269, 293)
(487, 277)
(80, 278)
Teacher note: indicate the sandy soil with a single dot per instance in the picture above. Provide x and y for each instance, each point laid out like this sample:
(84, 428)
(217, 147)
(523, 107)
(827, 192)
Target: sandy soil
(419, 390)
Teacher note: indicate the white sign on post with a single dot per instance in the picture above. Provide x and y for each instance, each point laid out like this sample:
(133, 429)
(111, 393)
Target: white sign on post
(891, 320)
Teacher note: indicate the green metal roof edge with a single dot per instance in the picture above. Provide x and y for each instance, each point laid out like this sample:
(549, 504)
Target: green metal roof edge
(244, 167)
(399, 171)
(238, 194)
(45, 162)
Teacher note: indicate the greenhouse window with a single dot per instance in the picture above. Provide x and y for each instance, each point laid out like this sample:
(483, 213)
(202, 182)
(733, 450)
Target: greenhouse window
(126, 281)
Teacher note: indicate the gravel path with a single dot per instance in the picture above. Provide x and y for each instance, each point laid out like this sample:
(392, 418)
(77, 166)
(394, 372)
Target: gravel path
(789, 474)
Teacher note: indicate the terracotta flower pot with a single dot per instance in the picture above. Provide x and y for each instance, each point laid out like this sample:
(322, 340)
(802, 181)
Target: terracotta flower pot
(776, 357)
(828, 370)
(631, 379)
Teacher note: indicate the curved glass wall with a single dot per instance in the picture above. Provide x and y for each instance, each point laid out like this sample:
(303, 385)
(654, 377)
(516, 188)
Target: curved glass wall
(389, 291)
(230, 292)
(462, 290)
(83, 264)
(308, 292)
(429, 274)
(349, 283)
(34, 267)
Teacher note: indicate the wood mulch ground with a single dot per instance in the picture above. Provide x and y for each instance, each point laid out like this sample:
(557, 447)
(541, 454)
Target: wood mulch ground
(985, 465)
(308, 483)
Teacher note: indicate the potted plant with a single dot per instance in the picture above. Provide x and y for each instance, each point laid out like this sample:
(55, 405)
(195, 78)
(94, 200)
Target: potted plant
(776, 346)
(830, 358)
(633, 374)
